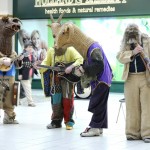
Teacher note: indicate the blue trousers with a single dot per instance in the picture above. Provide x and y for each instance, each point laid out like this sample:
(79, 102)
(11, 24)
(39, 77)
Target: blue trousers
(98, 106)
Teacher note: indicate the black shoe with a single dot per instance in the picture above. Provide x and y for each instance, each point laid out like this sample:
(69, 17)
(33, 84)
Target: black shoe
(146, 140)
(130, 139)
(53, 126)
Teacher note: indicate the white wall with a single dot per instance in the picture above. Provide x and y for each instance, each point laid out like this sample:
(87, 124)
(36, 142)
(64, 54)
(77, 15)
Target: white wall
(6, 7)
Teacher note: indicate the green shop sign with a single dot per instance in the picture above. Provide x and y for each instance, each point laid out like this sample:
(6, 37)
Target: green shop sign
(40, 9)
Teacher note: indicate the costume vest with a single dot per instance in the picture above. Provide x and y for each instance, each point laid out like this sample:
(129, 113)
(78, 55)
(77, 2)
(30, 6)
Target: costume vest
(106, 75)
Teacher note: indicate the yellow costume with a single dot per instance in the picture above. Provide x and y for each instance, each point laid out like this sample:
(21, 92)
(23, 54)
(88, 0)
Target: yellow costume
(62, 99)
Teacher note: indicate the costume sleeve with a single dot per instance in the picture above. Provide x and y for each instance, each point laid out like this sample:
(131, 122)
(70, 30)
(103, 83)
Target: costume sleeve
(44, 52)
(17, 62)
(75, 56)
(48, 60)
(96, 66)
(125, 56)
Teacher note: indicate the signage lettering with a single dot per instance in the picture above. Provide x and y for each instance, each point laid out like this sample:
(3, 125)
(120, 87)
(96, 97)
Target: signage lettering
(58, 3)
(86, 6)
(41, 9)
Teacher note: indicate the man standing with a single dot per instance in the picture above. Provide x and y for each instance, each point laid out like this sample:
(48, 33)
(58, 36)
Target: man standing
(135, 54)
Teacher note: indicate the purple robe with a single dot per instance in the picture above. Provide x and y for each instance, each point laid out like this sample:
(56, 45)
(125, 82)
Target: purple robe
(100, 94)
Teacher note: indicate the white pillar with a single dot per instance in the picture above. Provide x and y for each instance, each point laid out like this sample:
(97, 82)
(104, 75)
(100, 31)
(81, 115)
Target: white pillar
(6, 7)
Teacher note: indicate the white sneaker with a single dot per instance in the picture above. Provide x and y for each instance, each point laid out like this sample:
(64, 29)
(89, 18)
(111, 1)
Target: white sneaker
(90, 132)
(9, 120)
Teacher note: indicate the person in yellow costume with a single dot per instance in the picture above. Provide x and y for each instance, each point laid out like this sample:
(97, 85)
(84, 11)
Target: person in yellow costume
(62, 91)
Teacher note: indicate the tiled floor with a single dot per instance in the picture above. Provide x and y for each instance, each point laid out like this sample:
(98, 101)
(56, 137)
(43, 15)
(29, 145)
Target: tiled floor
(31, 133)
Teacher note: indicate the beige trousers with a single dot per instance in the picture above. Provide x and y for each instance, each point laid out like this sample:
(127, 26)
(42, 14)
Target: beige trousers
(28, 92)
(7, 105)
(137, 96)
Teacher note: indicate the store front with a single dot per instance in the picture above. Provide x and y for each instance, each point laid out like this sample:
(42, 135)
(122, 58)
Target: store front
(103, 20)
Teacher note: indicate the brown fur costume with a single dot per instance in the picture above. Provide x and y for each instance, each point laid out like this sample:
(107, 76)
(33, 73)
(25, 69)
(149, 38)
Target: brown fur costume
(71, 35)
(68, 34)
(131, 35)
(136, 88)
(8, 28)
(56, 26)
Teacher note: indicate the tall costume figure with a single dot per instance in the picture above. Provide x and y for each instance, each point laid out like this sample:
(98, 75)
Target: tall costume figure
(62, 93)
(8, 62)
(96, 71)
(135, 54)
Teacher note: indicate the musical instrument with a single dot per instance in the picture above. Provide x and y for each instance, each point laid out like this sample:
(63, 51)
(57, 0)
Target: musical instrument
(4, 68)
(85, 93)
(60, 68)
(16, 93)
(145, 59)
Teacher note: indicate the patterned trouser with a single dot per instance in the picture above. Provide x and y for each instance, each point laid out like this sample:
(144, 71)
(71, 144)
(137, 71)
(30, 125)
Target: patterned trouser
(62, 101)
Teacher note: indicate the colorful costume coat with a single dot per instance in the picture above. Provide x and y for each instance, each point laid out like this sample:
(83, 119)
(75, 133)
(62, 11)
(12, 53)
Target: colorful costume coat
(62, 98)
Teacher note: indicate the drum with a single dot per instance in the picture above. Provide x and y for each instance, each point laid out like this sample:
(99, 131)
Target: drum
(82, 93)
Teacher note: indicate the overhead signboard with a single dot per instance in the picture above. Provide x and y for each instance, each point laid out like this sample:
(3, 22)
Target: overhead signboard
(40, 9)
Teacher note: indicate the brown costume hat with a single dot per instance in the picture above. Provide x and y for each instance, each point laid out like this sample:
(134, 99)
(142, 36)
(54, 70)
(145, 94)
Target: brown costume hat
(8, 27)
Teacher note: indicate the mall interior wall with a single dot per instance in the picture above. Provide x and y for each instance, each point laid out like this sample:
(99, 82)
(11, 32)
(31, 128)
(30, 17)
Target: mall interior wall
(6, 7)
(36, 10)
